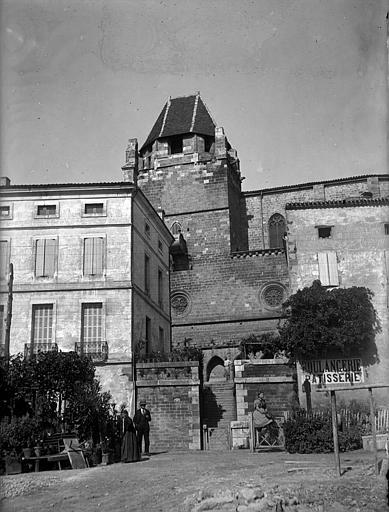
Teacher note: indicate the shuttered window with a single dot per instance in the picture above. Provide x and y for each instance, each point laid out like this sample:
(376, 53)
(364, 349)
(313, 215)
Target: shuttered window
(2, 324)
(160, 288)
(4, 263)
(148, 335)
(92, 322)
(147, 274)
(328, 268)
(93, 256)
(45, 257)
(42, 323)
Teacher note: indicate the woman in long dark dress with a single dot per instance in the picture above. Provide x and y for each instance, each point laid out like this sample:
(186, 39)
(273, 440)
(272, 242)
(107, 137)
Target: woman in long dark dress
(129, 448)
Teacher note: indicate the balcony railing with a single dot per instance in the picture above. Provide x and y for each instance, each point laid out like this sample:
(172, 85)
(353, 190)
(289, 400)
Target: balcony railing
(96, 350)
(34, 348)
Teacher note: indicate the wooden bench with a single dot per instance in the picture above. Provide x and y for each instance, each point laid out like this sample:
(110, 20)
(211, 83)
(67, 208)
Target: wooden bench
(57, 457)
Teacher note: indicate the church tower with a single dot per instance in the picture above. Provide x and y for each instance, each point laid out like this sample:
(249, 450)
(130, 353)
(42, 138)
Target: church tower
(189, 172)
(186, 167)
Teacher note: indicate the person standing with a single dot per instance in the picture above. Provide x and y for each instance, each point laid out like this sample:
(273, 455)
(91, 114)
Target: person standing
(142, 419)
(129, 443)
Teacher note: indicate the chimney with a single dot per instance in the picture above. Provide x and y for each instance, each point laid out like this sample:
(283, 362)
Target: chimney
(4, 181)
(130, 168)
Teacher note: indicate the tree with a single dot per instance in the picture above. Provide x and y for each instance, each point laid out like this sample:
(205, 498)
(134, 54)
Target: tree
(328, 323)
(36, 386)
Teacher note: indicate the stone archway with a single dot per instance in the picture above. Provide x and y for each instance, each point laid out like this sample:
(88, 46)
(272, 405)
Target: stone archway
(215, 369)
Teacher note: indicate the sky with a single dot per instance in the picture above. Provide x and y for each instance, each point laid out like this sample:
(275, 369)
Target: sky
(298, 85)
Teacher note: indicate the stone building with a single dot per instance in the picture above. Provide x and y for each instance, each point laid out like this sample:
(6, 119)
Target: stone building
(230, 272)
(235, 256)
(345, 243)
(91, 273)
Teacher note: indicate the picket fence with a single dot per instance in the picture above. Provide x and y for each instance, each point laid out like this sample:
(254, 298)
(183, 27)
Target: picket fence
(350, 418)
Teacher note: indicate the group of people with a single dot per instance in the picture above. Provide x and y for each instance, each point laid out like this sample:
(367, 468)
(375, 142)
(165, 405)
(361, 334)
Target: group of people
(132, 432)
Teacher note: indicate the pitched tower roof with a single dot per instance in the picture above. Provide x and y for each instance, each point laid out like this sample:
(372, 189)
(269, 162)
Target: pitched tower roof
(186, 114)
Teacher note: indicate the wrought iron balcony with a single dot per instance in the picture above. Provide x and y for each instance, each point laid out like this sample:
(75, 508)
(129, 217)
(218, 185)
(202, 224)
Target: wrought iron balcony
(96, 350)
(34, 348)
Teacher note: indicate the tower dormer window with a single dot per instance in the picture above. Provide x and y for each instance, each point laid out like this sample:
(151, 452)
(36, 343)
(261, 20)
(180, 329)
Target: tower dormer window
(176, 145)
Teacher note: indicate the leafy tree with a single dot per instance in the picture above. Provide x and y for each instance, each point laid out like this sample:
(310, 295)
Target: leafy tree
(35, 385)
(329, 323)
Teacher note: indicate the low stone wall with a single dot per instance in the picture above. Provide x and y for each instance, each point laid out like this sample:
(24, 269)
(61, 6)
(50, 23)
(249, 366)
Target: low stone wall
(171, 391)
(240, 434)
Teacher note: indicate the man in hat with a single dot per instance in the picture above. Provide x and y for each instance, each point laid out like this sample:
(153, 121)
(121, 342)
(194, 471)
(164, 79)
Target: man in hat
(142, 419)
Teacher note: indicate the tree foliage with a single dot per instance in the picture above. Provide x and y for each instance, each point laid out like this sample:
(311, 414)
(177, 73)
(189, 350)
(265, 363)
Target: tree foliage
(324, 323)
(35, 387)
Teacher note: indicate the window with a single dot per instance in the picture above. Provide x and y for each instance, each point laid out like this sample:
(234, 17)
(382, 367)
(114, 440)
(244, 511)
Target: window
(45, 255)
(324, 231)
(2, 325)
(160, 288)
(147, 229)
(4, 259)
(176, 145)
(161, 338)
(277, 228)
(42, 323)
(147, 274)
(93, 256)
(328, 268)
(5, 212)
(94, 209)
(208, 141)
(176, 228)
(160, 246)
(386, 227)
(148, 335)
(46, 210)
(92, 322)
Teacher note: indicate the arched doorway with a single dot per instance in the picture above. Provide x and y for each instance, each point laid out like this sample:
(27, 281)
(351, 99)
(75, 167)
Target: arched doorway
(219, 407)
(215, 369)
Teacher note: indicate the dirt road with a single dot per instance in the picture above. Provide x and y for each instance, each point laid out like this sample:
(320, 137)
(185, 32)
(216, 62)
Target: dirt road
(167, 482)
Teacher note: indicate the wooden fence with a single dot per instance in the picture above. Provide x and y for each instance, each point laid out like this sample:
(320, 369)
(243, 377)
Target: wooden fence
(350, 418)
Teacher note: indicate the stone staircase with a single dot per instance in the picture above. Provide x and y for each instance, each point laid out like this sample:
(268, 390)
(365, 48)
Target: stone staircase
(219, 410)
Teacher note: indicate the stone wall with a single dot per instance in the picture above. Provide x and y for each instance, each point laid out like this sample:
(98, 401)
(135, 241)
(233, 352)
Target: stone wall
(171, 391)
(358, 238)
(262, 204)
(276, 379)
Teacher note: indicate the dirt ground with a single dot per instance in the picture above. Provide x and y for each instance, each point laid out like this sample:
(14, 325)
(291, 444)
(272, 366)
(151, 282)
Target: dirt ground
(166, 481)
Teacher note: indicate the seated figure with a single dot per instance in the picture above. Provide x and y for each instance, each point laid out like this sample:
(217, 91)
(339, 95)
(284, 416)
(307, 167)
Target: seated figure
(262, 418)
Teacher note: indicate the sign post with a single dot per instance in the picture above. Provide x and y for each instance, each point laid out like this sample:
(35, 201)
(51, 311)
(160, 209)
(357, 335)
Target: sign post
(332, 390)
(335, 432)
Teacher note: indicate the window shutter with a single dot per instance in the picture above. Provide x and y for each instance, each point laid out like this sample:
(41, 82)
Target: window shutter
(333, 268)
(3, 259)
(323, 269)
(40, 258)
(49, 264)
(328, 268)
(97, 256)
(88, 256)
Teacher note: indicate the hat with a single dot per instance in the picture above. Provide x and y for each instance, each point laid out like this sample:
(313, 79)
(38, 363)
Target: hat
(142, 402)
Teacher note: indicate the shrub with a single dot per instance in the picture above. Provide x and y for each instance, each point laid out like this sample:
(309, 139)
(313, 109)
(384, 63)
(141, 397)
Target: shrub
(18, 433)
(313, 434)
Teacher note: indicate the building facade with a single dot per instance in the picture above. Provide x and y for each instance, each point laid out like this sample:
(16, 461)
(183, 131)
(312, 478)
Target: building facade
(91, 274)
(345, 243)
(230, 272)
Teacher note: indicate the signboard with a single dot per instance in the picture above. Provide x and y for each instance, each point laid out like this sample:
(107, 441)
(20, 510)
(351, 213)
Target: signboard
(333, 371)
